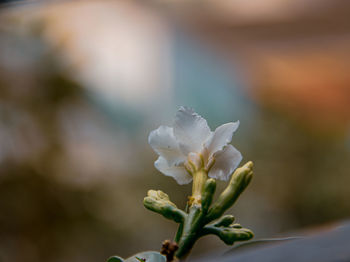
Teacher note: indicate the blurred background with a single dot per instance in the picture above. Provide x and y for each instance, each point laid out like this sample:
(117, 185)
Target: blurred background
(82, 83)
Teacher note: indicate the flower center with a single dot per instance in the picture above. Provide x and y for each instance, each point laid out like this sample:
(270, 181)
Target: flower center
(194, 163)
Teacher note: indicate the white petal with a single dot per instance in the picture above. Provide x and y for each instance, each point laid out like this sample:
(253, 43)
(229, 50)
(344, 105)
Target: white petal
(221, 137)
(179, 173)
(164, 143)
(226, 161)
(191, 130)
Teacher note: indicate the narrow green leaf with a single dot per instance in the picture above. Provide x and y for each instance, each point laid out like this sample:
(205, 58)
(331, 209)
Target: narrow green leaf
(147, 256)
(115, 259)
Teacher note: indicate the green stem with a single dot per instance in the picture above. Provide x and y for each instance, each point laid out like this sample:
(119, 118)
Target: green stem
(179, 233)
(192, 224)
(188, 232)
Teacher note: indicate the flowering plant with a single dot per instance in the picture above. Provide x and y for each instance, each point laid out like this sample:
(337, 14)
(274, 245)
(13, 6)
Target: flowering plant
(190, 151)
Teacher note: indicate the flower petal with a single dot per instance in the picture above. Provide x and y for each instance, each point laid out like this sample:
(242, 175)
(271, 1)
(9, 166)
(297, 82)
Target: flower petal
(164, 143)
(226, 161)
(179, 173)
(191, 130)
(221, 137)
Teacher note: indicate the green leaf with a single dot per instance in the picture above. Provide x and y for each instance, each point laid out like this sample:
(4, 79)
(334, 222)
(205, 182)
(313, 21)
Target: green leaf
(115, 259)
(149, 256)
(261, 242)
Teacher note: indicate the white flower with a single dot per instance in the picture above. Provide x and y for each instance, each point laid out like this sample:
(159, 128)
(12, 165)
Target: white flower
(190, 146)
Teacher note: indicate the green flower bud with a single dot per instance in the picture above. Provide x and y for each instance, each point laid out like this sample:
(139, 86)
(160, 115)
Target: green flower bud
(159, 202)
(229, 234)
(208, 194)
(239, 181)
(224, 221)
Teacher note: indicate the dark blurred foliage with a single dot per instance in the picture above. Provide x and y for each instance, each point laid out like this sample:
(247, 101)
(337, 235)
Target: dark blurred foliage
(39, 214)
(45, 218)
